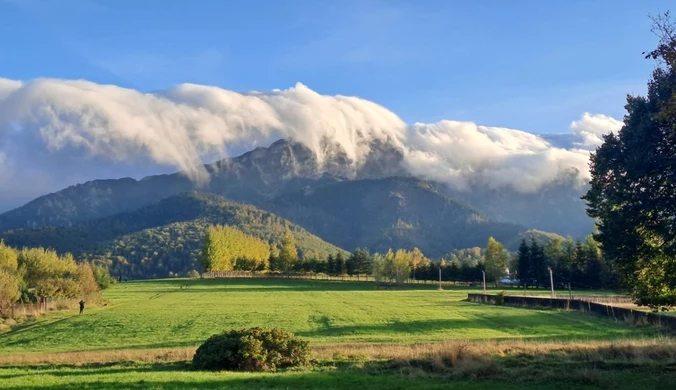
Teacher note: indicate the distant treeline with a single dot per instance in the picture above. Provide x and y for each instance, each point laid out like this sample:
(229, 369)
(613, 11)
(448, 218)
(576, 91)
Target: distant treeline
(579, 263)
(228, 249)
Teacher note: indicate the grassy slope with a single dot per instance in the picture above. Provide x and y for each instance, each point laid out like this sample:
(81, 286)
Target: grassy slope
(160, 313)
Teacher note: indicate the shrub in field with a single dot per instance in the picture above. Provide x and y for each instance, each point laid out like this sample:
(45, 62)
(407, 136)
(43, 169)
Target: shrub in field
(500, 298)
(254, 349)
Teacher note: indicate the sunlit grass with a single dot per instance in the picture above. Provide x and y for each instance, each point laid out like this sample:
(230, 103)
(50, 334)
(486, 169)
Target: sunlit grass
(183, 313)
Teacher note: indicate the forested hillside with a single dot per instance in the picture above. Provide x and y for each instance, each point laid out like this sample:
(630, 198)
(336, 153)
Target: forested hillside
(164, 238)
(391, 213)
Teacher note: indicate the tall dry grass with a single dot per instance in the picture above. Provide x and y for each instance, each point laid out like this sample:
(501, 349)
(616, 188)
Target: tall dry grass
(160, 355)
(659, 347)
(449, 356)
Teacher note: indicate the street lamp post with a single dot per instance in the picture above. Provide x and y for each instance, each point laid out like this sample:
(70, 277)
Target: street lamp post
(440, 278)
(551, 280)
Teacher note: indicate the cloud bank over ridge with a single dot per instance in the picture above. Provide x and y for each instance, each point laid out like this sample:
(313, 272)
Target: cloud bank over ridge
(54, 133)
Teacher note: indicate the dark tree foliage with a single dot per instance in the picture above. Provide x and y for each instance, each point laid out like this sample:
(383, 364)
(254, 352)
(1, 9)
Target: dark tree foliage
(359, 262)
(579, 264)
(341, 267)
(524, 265)
(633, 186)
(538, 265)
(330, 265)
(254, 349)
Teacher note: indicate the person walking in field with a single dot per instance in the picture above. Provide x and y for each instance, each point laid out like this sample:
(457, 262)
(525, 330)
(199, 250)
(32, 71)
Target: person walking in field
(82, 302)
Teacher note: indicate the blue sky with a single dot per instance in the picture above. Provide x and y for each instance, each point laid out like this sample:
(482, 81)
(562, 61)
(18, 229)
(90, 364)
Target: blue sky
(530, 65)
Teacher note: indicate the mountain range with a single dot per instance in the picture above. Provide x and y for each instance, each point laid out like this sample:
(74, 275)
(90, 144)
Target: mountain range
(373, 204)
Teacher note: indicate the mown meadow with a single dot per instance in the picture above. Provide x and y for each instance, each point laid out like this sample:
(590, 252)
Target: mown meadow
(145, 334)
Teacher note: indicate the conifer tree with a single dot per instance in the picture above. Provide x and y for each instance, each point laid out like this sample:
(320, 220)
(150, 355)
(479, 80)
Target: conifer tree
(341, 266)
(330, 265)
(524, 264)
(537, 262)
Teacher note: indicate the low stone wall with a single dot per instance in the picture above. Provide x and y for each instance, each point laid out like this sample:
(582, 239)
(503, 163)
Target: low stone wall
(618, 313)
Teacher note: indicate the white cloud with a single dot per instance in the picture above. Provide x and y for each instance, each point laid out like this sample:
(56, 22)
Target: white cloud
(590, 129)
(7, 87)
(462, 153)
(54, 132)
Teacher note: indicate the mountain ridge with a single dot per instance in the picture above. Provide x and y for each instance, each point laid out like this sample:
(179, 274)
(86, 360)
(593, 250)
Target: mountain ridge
(165, 236)
(285, 167)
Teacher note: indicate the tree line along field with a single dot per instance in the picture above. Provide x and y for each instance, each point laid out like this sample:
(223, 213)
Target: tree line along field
(162, 321)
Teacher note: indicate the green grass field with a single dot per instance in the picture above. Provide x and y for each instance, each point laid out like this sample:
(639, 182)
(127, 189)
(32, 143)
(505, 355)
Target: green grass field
(182, 313)
(166, 313)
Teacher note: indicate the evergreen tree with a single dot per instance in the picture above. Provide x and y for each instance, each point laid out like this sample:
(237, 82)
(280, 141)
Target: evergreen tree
(524, 267)
(593, 265)
(537, 262)
(330, 265)
(350, 264)
(341, 267)
(453, 270)
(578, 272)
(360, 262)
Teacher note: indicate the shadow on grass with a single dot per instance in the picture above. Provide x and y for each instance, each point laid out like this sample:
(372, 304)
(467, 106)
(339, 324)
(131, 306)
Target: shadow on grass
(296, 380)
(604, 367)
(508, 323)
(69, 370)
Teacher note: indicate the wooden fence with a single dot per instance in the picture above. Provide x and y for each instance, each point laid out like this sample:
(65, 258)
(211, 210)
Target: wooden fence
(619, 299)
(350, 278)
(40, 308)
(618, 313)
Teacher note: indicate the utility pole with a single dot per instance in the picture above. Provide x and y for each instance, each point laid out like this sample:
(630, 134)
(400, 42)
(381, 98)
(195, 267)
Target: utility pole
(440, 278)
(484, 274)
(551, 280)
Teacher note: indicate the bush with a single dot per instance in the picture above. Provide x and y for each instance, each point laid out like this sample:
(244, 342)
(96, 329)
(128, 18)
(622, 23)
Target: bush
(194, 274)
(102, 276)
(254, 349)
(500, 298)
